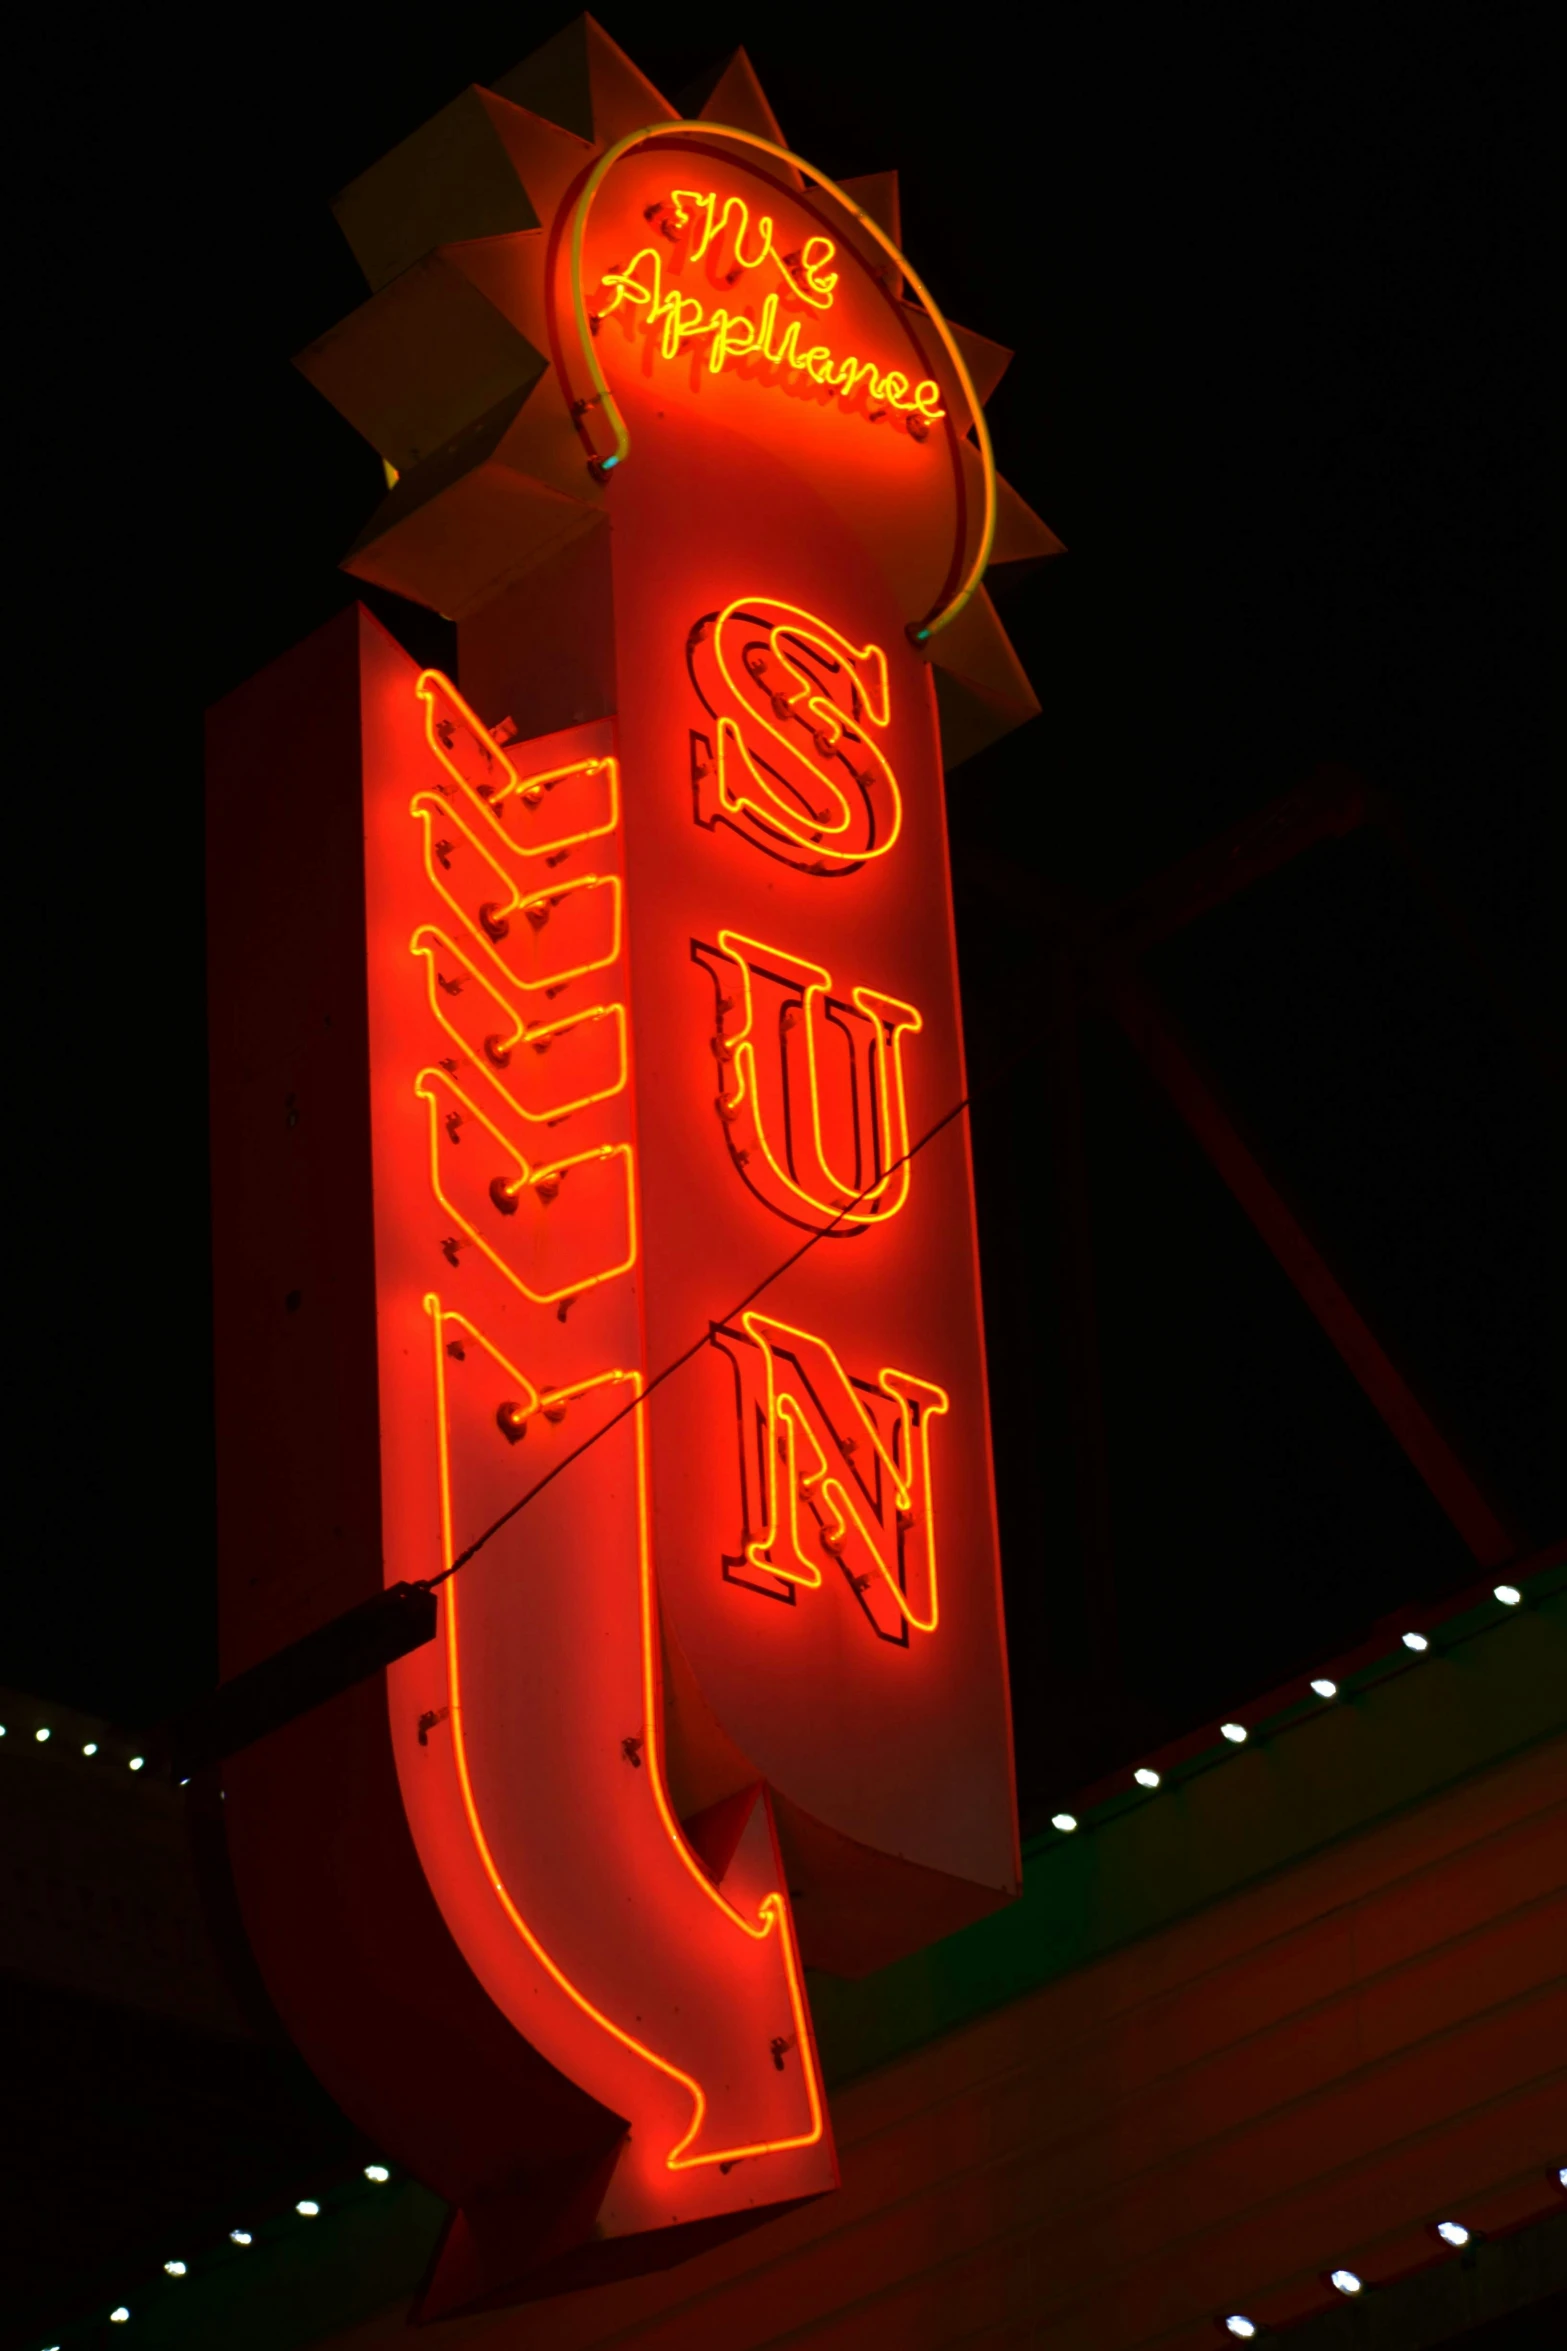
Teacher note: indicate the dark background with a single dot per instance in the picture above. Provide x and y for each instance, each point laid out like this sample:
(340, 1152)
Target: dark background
(1276, 287)
(1276, 283)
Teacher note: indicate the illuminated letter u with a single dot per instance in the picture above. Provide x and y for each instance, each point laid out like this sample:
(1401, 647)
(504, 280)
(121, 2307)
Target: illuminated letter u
(810, 1085)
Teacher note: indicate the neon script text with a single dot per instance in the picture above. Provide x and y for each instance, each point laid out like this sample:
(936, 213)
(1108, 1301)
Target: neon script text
(732, 334)
(806, 271)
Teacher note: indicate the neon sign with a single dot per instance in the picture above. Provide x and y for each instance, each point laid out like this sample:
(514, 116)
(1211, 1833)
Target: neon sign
(761, 1944)
(588, 802)
(587, 1050)
(549, 1254)
(951, 604)
(805, 272)
(775, 1021)
(643, 1158)
(830, 1478)
(679, 318)
(798, 714)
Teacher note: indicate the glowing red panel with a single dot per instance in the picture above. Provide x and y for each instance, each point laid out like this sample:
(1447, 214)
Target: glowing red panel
(811, 1085)
(507, 1249)
(778, 1584)
(795, 1026)
(650, 1002)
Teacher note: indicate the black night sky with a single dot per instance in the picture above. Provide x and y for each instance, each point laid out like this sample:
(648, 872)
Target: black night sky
(1276, 289)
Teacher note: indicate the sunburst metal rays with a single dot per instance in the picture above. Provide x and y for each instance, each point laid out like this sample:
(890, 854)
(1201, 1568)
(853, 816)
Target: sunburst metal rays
(447, 370)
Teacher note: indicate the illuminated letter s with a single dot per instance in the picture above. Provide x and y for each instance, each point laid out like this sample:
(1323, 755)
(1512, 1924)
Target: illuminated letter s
(793, 763)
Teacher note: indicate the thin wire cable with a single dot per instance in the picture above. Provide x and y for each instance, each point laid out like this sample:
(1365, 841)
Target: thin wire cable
(430, 1583)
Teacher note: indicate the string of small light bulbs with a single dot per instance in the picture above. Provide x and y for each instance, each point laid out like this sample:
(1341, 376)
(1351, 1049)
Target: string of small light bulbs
(1285, 1709)
(1452, 2235)
(237, 2241)
(1144, 1779)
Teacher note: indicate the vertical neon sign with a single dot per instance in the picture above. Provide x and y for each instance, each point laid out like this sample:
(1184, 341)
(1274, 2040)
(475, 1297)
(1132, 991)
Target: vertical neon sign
(648, 997)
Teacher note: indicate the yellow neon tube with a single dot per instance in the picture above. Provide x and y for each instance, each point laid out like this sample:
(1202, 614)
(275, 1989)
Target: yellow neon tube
(772, 1914)
(605, 399)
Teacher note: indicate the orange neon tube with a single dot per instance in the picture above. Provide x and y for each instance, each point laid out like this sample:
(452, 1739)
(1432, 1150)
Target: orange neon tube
(529, 789)
(428, 1086)
(891, 1019)
(743, 784)
(807, 278)
(440, 954)
(785, 1414)
(773, 1913)
(945, 614)
(509, 900)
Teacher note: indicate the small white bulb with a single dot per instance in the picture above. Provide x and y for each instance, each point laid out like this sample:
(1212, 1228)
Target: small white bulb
(118, 2317)
(174, 2269)
(306, 2209)
(1509, 1595)
(239, 2236)
(1346, 2281)
(1235, 1732)
(137, 1761)
(41, 1736)
(1325, 1689)
(377, 2171)
(1144, 1777)
(91, 1747)
(1240, 2326)
(1416, 1641)
(1066, 1822)
(1561, 2175)
(1452, 2232)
